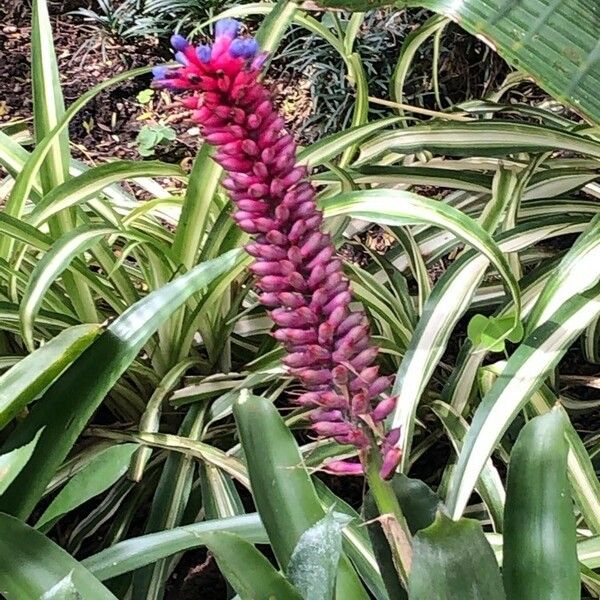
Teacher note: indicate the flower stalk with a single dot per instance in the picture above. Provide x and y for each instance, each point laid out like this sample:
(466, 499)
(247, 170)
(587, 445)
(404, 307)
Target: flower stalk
(300, 278)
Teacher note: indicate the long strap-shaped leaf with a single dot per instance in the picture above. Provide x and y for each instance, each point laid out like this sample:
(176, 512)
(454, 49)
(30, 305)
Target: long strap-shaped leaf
(482, 138)
(450, 298)
(68, 404)
(32, 565)
(35, 372)
(525, 372)
(144, 550)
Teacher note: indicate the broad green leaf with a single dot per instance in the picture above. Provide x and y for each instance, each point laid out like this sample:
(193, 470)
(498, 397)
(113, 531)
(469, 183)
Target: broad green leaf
(64, 414)
(12, 462)
(283, 492)
(525, 372)
(31, 565)
(23, 383)
(356, 543)
(452, 560)
(313, 565)
(137, 552)
(540, 541)
(250, 574)
(419, 506)
(96, 477)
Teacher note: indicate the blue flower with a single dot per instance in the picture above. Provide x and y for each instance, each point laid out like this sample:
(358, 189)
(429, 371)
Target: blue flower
(203, 53)
(244, 48)
(178, 42)
(227, 27)
(159, 72)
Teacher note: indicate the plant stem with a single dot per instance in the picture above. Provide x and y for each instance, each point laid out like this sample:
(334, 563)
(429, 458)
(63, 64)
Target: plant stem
(392, 519)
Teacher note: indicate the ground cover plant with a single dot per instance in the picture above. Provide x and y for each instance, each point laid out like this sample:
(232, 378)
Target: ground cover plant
(357, 367)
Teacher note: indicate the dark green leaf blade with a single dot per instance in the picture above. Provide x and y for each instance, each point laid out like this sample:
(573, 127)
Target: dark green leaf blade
(452, 560)
(31, 565)
(540, 540)
(247, 570)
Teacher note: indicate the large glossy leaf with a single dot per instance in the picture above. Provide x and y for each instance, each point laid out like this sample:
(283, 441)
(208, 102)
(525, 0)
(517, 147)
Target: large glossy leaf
(452, 560)
(313, 565)
(144, 550)
(31, 565)
(283, 492)
(540, 541)
(35, 372)
(63, 413)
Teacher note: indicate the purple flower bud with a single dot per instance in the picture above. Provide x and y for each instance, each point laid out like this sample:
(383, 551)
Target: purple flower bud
(343, 467)
(340, 375)
(312, 377)
(246, 48)
(391, 459)
(365, 358)
(179, 43)
(329, 416)
(203, 53)
(327, 429)
(378, 386)
(384, 408)
(393, 437)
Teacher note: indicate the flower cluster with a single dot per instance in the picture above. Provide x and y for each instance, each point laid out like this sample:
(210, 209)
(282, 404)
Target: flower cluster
(299, 276)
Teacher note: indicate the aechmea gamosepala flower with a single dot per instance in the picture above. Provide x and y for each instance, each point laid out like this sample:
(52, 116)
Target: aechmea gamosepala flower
(300, 277)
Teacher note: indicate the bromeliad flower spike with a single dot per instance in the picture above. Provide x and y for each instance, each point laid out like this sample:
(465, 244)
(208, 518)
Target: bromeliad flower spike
(300, 278)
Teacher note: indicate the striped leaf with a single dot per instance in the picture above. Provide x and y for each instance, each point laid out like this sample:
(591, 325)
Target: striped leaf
(525, 372)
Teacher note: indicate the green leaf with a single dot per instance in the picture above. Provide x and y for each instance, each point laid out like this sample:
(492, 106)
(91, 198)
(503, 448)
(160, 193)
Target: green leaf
(53, 263)
(481, 138)
(282, 489)
(79, 189)
(540, 541)
(64, 414)
(22, 384)
(525, 372)
(145, 96)
(12, 462)
(490, 333)
(452, 560)
(97, 476)
(31, 565)
(313, 565)
(419, 506)
(250, 574)
(137, 552)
